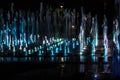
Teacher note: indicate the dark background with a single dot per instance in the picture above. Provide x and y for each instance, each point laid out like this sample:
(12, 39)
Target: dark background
(99, 7)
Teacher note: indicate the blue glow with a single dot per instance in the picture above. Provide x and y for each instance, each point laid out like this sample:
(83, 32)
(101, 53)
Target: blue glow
(14, 53)
(116, 32)
(93, 47)
(82, 58)
(29, 51)
(68, 49)
(77, 42)
(56, 50)
(60, 47)
(93, 57)
(105, 56)
(15, 59)
(52, 51)
(105, 68)
(82, 68)
(52, 59)
(40, 59)
(65, 51)
(40, 52)
(118, 57)
(26, 54)
(88, 40)
(65, 59)
(33, 51)
(73, 44)
(95, 78)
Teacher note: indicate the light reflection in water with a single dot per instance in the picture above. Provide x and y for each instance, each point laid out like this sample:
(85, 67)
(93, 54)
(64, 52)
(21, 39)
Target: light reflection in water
(34, 59)
(94, 68)
(63, 59)
(118, 57)
(106, 68)
(82, 58)
(105, 56)
(24, 59)
(40, 59)
(73, 45)
(57, 50)
(8, 59)
(65, 51)
(94, 58)
(52, 59)
(40, 52)
(1, 59)
(82, 67)
(15, 59)
(95, 77)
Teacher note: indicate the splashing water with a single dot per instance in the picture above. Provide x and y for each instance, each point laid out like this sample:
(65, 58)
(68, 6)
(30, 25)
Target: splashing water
(82, 33)
(105, 27)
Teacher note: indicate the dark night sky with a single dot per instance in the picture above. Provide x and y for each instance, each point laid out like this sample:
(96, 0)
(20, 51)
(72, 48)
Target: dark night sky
(99, 7)
(96, 6)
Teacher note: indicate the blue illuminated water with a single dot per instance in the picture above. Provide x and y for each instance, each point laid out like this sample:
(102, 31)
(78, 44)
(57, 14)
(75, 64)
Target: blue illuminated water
(105, 28)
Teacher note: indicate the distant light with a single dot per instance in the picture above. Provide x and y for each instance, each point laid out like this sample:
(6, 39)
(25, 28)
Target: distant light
(85, 47)
(73, 26)
(40, 47)
(43, 41)
(94, 50)
(35, 49)
(47, 41)
(29, 51)
(26, 45)
(81, 53)
(58, 40)
(38, 36)
(95, 75)
(24, 49)
(14, 49)
(62, 65)
(20, 48)
(62, 59)
(61, 6)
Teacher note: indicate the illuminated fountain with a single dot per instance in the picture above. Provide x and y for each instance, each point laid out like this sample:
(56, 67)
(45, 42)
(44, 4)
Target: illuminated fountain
(96, 31)
(116, 32)
(82, 33)
(66, 47)
(73, 43)
(92, 32)
(18, 31)
(27, 33)
(1, 30)
(105, 28)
